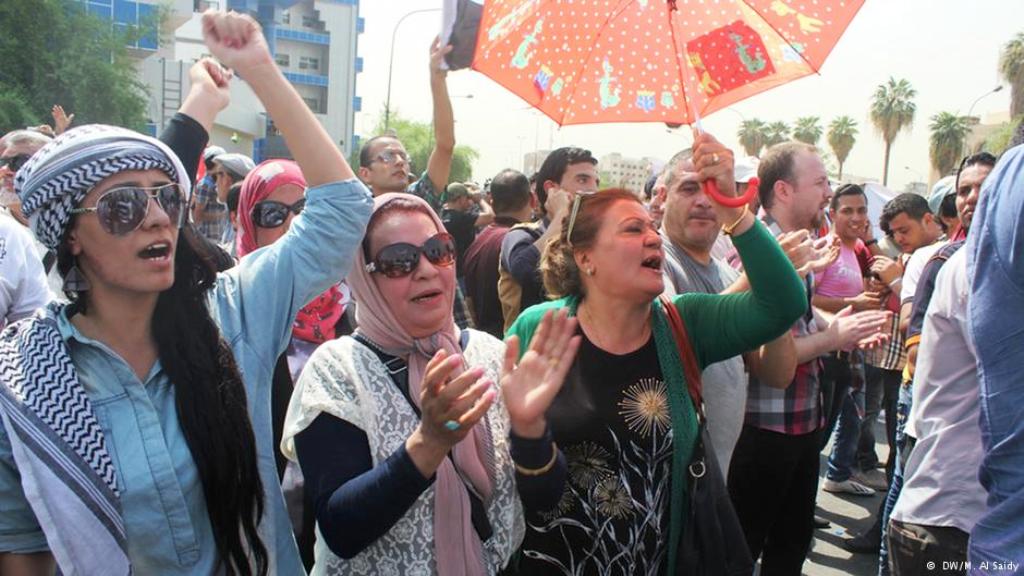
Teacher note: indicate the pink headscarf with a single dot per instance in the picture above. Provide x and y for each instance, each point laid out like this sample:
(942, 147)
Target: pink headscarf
(459, 551)
(315, 321)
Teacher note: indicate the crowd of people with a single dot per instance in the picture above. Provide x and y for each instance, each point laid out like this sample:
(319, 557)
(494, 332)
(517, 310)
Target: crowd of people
(213, 366)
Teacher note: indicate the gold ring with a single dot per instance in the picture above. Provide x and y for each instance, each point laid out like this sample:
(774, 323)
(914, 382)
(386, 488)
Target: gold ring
(714, 158)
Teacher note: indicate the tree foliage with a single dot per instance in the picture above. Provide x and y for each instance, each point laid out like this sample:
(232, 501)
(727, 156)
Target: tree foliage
(1011, 66)
(842, 134)
(775, 133)
(751, 136)
(418, 139)
(55, 52)
(807, 129)
(946, 143)
(892, 110)
(998, 141)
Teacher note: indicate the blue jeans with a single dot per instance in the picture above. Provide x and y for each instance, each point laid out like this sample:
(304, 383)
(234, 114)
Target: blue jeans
(844, 448)
(902, 411)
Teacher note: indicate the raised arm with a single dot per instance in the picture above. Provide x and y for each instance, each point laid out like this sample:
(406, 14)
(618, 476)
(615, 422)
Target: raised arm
(237, 41)
(439, 165)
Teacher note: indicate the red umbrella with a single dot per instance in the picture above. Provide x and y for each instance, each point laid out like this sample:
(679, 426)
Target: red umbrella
(597, 61)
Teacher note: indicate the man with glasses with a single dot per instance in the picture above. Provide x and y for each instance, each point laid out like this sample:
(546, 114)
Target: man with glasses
(15, 149)
(384, 163)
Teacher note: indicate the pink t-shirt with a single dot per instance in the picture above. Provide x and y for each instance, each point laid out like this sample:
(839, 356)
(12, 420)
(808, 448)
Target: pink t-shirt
(844, 278)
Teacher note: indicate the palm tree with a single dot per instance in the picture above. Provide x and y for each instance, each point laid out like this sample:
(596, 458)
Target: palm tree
(774, 133)
(842, 133)
(892, 110)
(751, 135)
(946, 144)
(807, 129)
(1011, 65)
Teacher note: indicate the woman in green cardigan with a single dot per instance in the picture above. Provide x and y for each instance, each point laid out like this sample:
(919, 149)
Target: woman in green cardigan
(601, 460)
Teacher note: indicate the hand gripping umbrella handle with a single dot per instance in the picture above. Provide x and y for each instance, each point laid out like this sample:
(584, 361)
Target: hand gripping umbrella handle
(711, 190)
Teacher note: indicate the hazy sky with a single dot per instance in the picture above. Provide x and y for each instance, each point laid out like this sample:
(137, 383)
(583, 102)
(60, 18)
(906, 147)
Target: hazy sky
(947, 49)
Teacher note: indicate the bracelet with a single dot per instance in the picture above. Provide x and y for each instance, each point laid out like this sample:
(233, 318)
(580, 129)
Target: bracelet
(871, 241)
(894, 282)
(727, 230)
(543, 469)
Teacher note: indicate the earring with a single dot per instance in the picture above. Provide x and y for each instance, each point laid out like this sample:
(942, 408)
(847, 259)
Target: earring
(590, 271)
(75, 280)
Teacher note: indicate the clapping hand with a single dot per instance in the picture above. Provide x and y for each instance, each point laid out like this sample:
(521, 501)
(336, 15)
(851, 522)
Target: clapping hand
(450, 407)
(865, 330)
(807, 254)
(530, 385)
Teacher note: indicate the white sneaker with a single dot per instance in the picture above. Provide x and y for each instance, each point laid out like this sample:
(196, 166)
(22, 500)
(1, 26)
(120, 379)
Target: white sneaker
(874, 479)
(848, 486)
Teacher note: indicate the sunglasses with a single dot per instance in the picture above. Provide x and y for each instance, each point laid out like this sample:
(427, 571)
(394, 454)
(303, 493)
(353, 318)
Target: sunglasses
(122, 210)
(579, 196)
(271, 214)
(398, 260)
(14, 163)
(391, 156)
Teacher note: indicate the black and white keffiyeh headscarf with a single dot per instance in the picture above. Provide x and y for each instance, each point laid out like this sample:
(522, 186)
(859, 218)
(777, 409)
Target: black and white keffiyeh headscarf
(57, 177)
(58, 446)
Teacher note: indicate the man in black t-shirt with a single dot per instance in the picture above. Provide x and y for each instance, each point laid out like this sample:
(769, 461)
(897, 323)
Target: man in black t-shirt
(462, 215)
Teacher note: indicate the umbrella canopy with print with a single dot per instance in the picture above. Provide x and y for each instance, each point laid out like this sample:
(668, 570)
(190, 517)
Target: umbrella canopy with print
(596, 61)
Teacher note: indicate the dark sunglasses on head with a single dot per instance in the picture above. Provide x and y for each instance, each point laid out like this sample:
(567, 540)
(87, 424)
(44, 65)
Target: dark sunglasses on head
(397, 260)
(14, 163)
(122, 210)
(271, 214)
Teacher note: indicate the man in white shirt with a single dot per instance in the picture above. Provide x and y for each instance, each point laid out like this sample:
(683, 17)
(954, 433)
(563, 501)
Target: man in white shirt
(23, 286)
(941, 498)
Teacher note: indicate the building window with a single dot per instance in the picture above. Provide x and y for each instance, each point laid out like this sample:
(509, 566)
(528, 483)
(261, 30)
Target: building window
(313, 103)
(283, 60)
(308, 63)
(310, 21)
(286, 17)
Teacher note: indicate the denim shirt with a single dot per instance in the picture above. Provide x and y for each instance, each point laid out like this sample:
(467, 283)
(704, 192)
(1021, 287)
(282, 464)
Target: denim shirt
(995, 250)
(162, 498)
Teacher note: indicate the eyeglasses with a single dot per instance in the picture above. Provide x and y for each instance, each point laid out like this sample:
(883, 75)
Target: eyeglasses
(401, 259)
(580, 195)
(122, 210)
(14, 163)
(271, 214)
(391, 156)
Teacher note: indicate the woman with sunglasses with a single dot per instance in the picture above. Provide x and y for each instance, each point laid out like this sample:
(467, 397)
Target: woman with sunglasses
(623, 419)
(399, 430)
(136, 423)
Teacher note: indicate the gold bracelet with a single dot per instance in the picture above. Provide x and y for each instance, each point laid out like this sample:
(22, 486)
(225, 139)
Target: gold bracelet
(542, 470)
(727, 230)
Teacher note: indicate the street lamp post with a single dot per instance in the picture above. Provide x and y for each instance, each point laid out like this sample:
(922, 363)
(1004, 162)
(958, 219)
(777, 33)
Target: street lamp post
(391, 61)
(992, 91)
(919, 174)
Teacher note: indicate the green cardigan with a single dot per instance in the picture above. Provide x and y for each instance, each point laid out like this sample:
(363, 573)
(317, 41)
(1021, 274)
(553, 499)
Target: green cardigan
(719, 327)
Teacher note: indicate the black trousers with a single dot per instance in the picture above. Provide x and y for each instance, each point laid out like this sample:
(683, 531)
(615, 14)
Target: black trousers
(773, 481)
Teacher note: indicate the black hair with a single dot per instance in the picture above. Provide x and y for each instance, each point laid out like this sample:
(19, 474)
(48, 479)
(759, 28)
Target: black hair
(510, 191)
(913, 205)
(947, 209)
(980, 158)
(365, 159)
(233, 194)
(846, 190)
(210, 401)
(554, 167)
(777, 164)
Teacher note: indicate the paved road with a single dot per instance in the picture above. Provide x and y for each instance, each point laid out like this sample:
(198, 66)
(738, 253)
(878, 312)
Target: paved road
(848, 514)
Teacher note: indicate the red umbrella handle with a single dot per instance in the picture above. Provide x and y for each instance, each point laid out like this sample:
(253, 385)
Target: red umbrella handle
(711, 189)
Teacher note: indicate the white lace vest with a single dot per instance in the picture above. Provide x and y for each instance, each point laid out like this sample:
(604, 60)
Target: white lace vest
(347, 380)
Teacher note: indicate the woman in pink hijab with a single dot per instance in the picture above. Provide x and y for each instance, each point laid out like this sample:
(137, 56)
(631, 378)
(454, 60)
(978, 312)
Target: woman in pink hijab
(400, 430)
